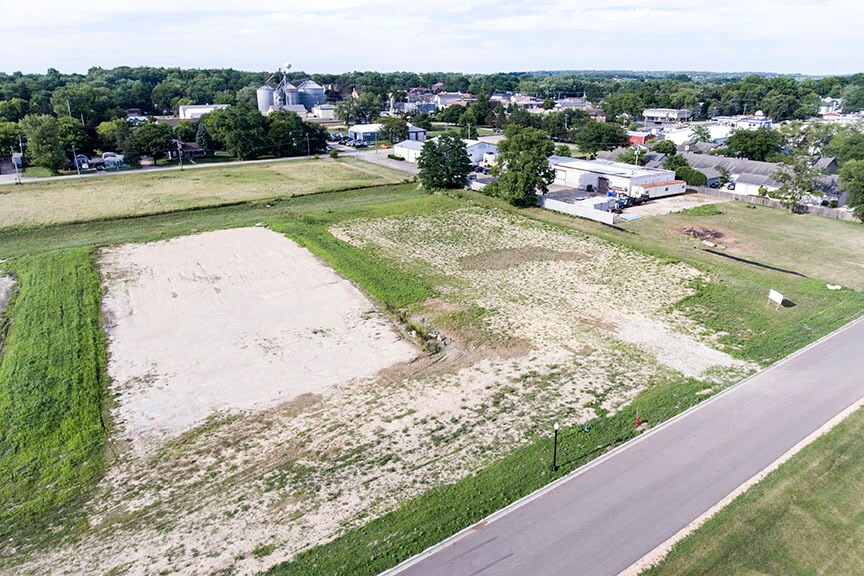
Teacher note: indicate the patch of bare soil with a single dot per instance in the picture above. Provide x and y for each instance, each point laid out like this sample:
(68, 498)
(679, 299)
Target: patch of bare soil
(508, 257)
(7, 284)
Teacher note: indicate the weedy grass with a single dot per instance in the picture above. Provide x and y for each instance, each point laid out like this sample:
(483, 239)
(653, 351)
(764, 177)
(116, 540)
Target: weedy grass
(443, 511)
(52, 384)
(118, 195)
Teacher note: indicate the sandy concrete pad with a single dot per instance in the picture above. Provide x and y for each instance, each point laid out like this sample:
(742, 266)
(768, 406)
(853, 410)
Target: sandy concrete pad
(660, 206)
(231, 320)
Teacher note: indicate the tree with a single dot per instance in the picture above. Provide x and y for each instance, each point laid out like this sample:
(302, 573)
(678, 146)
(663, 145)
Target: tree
(623, 104)
(154, 139)
(444, 162)
(562, 150)
(683, 171)
(186, 130)
(632, 156)
(595, 136)
(203, 139)
(43, 141)
(847, 145)
(761, 145)
(523, 167)
(130, 152)
(852, 182)
(244, 132)
(393, 128)
(797, 178)
(73, 135)
(9, 134)
(701, 133)
(667, 147)
(359, 111)
(290, 136)
(853, 98)
(548, 103)
(13, 110)
(106, 134)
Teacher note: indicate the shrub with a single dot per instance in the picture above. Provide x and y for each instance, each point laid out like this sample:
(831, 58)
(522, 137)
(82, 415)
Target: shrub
(834, 203)
(395, 157)
(334, 153)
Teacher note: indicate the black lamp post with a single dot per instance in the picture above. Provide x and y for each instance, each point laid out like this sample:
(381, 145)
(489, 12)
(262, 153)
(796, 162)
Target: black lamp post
(555, 450)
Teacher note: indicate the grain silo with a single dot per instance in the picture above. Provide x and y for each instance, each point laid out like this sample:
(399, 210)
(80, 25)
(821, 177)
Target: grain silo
(265, 98)
(311, 94)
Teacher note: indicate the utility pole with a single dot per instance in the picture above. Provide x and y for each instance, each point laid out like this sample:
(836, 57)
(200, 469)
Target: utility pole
(308, 147)
(75, 157)
(180, 152)
(15, 164)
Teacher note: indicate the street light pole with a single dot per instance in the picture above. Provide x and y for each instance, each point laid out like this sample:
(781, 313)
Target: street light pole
(555, 450)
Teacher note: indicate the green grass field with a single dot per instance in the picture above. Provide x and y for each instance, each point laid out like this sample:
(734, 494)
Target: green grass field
(807, 517)
(52, 389)
(111, 196)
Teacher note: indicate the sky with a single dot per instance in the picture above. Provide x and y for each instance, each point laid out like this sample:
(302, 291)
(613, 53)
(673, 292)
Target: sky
(817, 37)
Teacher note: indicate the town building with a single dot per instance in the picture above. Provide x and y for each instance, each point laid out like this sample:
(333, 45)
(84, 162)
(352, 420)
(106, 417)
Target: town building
(370, 132)
(196, 111)
(479, 152)
(758, 120)
(640, 138)
(665, 115)
(607, 176)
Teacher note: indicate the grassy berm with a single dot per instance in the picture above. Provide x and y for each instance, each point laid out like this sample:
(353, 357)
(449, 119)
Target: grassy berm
(52, 384)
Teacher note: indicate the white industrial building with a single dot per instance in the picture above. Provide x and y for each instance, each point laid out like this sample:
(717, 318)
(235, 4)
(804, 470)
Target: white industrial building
(409, 150)
(605, 176)
(479, 152)
(196, 111)
(719, 134)
(370, 132)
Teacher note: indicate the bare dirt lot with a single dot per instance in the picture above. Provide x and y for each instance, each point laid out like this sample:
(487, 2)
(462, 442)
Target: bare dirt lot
(231, 320)
(670, 204)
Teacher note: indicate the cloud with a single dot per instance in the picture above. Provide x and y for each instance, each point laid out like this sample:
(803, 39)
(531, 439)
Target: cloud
(483, 36)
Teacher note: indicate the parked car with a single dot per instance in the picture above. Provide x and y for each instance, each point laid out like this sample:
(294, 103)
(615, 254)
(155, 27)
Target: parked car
(730, 186)
(361, 144)
(714, 185)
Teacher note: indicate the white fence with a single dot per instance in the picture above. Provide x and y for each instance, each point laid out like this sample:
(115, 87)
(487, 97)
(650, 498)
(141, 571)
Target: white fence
(583, 209)
(824, 211)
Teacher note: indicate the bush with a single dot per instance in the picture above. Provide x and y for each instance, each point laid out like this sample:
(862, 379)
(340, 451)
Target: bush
(834, 203)
(395, 157)
(334, 153)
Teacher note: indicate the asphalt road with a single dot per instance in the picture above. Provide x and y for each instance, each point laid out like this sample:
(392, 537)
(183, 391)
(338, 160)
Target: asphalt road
(608, 515)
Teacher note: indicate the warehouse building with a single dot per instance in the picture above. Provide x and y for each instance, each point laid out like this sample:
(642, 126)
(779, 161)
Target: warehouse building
(606, 176)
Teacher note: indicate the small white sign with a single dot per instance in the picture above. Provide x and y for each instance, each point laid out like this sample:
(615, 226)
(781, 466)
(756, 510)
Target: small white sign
(775, 296)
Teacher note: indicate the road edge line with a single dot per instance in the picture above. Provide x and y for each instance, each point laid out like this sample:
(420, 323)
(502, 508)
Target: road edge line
(659, 553)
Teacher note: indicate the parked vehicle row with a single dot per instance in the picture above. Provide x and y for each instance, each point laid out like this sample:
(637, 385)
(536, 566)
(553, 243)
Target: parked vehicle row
(346, 141)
